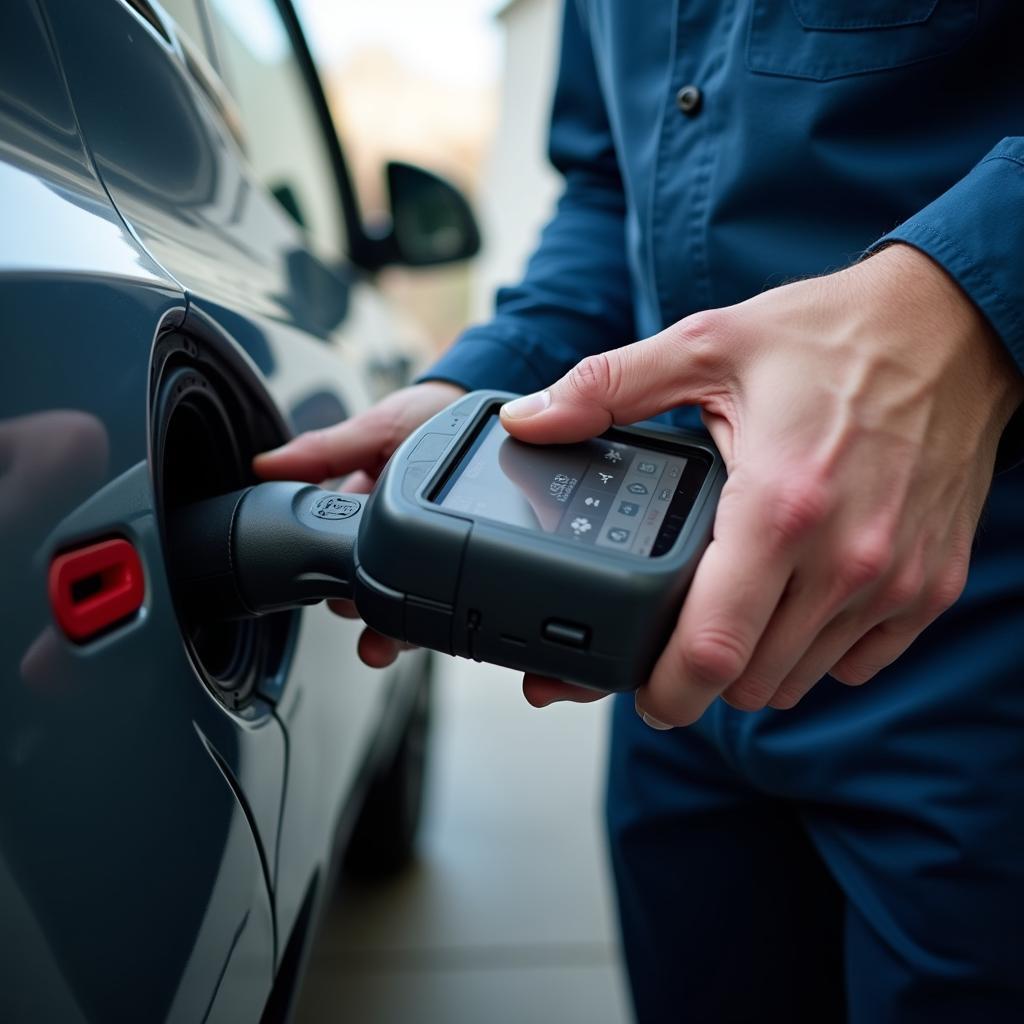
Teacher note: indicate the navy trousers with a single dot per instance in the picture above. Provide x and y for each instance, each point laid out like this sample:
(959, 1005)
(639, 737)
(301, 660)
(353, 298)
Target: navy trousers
(859, 858)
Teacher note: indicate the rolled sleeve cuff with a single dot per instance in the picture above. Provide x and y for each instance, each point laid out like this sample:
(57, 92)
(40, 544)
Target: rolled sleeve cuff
(975, 232)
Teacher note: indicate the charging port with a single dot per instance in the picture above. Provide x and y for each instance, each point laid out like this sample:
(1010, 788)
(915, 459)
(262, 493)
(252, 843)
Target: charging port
(210, 416)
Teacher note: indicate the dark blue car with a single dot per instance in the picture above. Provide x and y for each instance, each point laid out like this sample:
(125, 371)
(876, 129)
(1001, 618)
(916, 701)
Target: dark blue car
(184, 281)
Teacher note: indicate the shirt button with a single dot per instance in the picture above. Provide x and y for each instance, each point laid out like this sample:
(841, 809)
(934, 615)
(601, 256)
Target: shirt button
(688, 99)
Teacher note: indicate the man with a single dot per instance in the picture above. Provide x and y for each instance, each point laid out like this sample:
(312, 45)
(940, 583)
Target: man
(803, 850)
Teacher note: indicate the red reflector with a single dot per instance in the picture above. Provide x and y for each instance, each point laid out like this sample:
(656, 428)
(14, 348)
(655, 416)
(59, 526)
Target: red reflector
(93, 587)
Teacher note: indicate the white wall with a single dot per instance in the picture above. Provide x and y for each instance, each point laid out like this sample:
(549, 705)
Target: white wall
(519, 187)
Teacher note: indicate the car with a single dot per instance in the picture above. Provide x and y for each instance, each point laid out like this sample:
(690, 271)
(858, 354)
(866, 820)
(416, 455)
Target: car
(185, 280)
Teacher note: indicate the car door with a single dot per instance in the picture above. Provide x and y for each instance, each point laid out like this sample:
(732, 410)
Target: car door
(218, 158)
(138, 813)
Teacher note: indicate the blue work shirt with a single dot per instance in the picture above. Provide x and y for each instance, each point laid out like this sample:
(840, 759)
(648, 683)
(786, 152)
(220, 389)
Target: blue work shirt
(715, 148)
(712, 149)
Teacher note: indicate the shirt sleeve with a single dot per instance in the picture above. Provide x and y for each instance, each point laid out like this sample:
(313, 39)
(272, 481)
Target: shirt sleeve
(575, 297)
(976, 232)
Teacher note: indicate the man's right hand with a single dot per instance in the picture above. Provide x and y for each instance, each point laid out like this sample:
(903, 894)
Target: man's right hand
(358, 449)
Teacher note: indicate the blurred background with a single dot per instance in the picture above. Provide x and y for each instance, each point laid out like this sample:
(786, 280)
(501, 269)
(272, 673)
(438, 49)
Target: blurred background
(458, 86)
(506, 916)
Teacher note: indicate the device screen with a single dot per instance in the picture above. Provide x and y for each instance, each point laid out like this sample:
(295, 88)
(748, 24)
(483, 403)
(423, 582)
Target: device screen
(604, 492)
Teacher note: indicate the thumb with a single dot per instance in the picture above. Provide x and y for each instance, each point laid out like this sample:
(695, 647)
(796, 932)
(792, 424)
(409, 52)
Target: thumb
(681, 365)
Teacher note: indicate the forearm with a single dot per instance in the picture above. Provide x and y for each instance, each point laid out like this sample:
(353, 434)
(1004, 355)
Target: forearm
(573, 300)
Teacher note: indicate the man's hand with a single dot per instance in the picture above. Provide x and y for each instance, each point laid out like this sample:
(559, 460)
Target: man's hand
(858, 415)
(358, 449)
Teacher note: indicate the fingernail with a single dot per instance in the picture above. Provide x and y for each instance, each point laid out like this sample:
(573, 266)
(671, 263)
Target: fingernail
(528, 405)
(649, 720)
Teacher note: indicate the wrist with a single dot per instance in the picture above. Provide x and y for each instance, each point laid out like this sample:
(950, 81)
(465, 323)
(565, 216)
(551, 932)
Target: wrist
(941, 326)
(438, 386)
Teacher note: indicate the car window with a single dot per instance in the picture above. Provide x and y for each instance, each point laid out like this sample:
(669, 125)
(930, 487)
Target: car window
(283, 136)
(189, 20)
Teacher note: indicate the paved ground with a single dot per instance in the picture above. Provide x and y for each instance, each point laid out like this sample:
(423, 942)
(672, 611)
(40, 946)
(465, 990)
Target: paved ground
(506, 919)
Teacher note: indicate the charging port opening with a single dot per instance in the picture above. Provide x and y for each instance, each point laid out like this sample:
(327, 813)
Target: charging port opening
(210, 417)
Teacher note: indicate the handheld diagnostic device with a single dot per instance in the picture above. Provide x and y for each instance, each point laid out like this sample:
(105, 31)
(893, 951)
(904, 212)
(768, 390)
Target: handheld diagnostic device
(571, 561)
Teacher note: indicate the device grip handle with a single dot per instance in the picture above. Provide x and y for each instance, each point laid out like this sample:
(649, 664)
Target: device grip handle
(265, 548)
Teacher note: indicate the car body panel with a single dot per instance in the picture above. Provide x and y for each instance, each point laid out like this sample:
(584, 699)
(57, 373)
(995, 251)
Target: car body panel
(48, 183)
(123, 842)
(276, 301)
(156, 848)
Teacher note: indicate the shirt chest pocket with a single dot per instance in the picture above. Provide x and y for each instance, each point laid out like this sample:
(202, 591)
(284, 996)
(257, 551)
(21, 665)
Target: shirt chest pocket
(825, 39)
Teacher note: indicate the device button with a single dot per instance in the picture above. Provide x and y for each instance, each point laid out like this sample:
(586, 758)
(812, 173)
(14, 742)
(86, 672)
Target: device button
(411, 481)
(466, 408)
(430, 448)
(568, 634)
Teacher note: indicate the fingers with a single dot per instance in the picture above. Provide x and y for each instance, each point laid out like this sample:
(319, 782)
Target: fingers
(828, 647)
(875, 650)
(375, 649)
(364, 442)
(378, 651)
(357, 483)
(801, 615)
(837, 593)
(540, 691)
(319, 454)
(684, 363)
(854, 648)
(883, 644)
(346, 609)
(735, 591)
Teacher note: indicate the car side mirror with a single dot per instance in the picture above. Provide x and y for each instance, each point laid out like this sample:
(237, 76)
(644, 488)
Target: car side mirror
(285, 195)
(431, 221)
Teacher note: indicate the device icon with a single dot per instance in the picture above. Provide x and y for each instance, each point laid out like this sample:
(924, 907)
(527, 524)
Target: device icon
(561, 486)
(580, 525)
(665, 494)
(605, 477)
(611, 455)
(637, 489)
(619, 535)
(592, 502)
(628, 508)
(646, 467)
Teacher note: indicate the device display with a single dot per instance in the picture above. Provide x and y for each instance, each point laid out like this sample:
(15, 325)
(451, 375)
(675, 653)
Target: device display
(603, 492)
